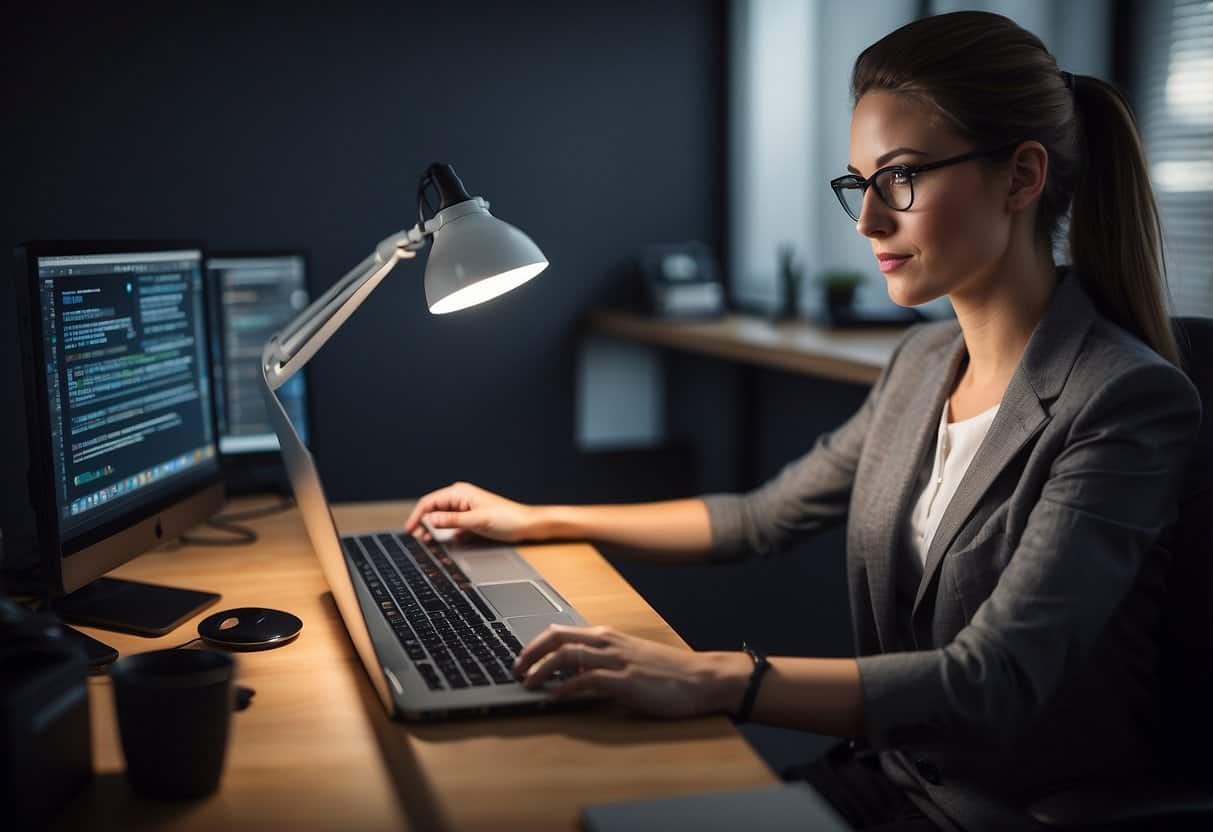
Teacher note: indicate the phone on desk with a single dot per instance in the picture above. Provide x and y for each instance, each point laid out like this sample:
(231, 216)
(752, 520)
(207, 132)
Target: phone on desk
(681, 281)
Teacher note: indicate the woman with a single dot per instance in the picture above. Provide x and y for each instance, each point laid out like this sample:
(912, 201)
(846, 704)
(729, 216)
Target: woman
(1003, 484)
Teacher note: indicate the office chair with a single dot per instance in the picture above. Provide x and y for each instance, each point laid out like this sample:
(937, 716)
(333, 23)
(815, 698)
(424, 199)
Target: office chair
(1183, 799)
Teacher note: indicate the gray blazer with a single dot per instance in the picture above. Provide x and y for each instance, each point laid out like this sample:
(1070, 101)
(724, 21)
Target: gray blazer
(1022, 657)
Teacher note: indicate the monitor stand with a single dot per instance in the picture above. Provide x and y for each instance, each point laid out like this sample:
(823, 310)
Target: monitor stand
(131, 606)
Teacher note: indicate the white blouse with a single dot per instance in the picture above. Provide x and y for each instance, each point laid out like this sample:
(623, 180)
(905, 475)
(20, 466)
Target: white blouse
(955, 446)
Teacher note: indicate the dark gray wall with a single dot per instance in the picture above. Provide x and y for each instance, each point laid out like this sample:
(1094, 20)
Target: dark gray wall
(743, 425)
(596, 128)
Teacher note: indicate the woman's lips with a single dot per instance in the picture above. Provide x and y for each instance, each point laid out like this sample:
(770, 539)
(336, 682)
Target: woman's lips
(890, 262)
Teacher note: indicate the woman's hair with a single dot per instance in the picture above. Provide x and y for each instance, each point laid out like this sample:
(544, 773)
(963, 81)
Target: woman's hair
(994, 81)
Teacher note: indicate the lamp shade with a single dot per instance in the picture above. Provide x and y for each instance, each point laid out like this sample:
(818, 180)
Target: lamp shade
(476, 257)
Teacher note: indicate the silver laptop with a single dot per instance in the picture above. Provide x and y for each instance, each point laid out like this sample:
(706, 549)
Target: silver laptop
(437, 627)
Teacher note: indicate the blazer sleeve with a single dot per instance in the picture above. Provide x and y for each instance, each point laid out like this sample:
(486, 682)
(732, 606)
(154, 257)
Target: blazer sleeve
(1110, 493)
(808, 495)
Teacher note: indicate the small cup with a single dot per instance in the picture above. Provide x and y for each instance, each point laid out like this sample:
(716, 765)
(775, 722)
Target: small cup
(174, 709)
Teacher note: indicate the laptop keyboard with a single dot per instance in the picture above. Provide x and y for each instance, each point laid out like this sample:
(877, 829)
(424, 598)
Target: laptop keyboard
(446, 628)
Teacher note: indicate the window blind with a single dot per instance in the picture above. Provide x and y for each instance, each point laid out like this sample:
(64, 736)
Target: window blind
(1172, 84)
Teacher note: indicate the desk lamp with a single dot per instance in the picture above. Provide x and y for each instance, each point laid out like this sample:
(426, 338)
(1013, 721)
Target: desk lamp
(475, 258)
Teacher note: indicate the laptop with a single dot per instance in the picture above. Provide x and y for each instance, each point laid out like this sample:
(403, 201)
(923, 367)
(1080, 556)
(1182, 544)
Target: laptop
(436, 626)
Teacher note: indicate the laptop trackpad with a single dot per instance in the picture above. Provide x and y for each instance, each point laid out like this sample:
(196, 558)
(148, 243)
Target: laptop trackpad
(515, 599)
(527, 628)
(493, 565)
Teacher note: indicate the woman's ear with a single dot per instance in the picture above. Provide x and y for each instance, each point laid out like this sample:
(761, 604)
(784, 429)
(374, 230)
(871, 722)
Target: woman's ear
(1029, 168)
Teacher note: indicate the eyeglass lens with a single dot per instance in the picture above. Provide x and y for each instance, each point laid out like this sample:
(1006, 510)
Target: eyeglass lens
(894, 188)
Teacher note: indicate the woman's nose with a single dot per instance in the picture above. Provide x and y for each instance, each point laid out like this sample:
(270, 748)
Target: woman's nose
(875, 218)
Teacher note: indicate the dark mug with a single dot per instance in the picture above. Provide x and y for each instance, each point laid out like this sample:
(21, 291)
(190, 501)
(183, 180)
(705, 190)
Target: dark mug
(174, 710)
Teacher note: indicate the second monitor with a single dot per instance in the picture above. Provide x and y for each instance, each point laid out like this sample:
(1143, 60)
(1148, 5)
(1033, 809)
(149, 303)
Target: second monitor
(253, 295)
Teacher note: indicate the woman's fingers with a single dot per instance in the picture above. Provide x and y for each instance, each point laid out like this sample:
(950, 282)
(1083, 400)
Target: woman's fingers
(452, 519)
(424, 505)
(450, 498)
(568, 658)
(571, 659)
(453, 524)
(596, 661)
(555, 636)
(465, 506)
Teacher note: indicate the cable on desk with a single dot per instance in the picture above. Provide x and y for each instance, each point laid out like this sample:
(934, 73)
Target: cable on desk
(243, 535)
(229, 523)
(284, 503)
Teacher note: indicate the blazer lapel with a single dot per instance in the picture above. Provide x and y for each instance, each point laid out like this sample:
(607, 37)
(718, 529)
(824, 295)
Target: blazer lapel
(1046, 362)
(913, 435)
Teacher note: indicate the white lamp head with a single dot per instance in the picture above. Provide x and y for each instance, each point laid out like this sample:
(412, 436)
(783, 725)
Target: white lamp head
(475, 256)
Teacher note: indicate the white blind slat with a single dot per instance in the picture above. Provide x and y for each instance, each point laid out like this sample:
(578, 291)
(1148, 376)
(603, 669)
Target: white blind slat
(1174, 85)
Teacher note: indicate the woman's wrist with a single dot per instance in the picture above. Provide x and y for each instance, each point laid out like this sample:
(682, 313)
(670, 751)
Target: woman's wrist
(726, 676)
(550, 522)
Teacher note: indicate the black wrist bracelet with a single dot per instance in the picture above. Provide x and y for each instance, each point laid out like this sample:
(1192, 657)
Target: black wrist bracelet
(751, 692)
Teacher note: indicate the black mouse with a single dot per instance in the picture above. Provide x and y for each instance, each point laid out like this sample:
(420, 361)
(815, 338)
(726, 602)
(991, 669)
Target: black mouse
(250, 628)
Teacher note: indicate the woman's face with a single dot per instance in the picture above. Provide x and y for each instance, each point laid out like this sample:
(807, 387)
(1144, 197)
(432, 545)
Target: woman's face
(957, 229)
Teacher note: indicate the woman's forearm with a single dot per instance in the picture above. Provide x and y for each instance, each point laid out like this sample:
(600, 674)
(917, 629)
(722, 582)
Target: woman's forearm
(675, 531)
(818, 695)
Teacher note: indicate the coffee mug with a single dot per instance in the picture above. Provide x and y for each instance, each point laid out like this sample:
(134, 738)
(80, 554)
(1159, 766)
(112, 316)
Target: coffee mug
(174, 710)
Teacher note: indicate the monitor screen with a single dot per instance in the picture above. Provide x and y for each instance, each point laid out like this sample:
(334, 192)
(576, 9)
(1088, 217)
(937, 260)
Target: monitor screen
(253, 297)
(127, 381)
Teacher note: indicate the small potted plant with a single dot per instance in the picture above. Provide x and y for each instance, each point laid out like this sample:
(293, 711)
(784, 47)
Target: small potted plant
(791, 278)
(840, 285)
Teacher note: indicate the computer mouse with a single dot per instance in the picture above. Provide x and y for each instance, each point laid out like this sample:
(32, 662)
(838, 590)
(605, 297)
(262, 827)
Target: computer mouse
(250, 628)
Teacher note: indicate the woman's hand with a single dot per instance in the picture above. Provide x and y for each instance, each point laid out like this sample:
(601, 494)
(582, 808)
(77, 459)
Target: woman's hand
(642, 675)
(466, 508)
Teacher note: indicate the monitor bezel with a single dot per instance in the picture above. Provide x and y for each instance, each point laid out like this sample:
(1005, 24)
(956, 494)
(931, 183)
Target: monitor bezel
(92, 553)
(251, 472)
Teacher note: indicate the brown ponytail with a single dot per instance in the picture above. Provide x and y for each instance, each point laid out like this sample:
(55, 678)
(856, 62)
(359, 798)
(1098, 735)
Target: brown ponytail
(992, 81)
(1115, 232)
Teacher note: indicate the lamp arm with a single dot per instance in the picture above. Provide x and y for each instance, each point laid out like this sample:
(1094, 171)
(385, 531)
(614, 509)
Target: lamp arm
(294, 345)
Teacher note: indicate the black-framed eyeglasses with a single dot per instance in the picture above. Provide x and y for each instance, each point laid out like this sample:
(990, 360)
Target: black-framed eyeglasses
(895, 183)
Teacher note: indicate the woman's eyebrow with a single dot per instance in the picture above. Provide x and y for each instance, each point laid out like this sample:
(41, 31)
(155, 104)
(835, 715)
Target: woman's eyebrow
(883, 160)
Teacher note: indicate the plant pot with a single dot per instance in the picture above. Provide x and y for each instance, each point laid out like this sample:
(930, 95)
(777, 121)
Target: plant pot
(839, 297)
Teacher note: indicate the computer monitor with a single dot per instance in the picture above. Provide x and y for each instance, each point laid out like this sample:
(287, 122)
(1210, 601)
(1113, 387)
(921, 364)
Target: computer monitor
(123, 447)
(253, 294)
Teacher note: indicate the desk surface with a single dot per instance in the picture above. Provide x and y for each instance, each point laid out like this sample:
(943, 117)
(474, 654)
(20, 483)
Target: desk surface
(317, 751)
(845, 354)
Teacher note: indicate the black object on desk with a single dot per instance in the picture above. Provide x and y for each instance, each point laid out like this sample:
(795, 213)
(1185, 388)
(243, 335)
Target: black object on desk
(45, 742)
(174, 709)
(99, 654)
(250, 628)
(680, 281)
(778, 808)
(132, 606)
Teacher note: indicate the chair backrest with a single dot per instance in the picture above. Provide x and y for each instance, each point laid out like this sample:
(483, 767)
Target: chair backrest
(1187, 650)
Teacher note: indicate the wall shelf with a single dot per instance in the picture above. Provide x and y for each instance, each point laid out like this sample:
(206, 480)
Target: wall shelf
(852, 354)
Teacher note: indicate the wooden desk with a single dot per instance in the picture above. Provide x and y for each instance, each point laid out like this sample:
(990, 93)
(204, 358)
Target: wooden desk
(317, 751)
(856, 355)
